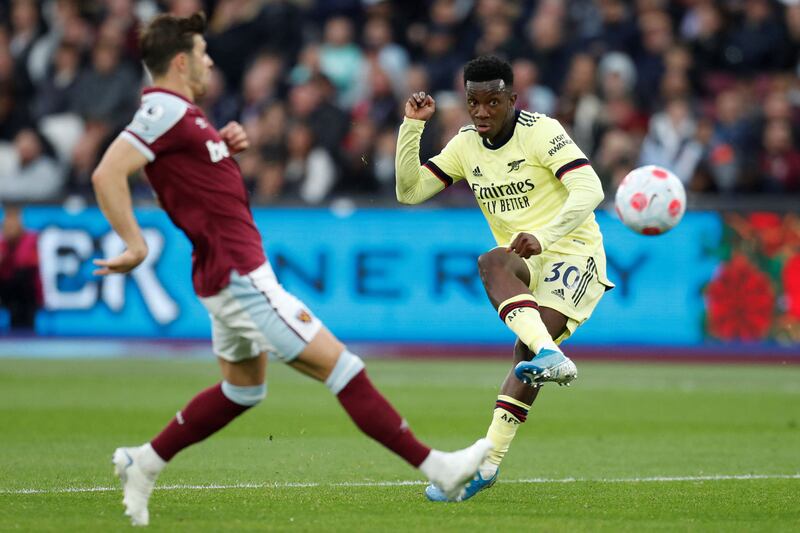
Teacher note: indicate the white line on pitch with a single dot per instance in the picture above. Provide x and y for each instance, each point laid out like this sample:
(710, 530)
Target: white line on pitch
(656, 479)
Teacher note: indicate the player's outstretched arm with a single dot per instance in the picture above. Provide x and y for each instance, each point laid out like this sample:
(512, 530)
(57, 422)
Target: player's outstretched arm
(415, 184)
(110, 181)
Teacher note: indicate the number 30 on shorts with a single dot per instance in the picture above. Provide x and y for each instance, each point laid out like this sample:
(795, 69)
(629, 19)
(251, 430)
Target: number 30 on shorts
(568, 274)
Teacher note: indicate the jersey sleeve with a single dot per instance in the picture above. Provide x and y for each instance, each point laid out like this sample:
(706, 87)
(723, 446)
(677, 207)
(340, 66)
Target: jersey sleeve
(416, 183)
(556, 151)
(149, 131)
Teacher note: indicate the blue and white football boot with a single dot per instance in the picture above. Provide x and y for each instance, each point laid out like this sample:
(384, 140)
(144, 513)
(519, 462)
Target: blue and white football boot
(478, 483)
(548, 365)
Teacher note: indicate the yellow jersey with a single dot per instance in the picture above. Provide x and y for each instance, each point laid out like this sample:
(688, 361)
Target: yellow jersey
(536, 181)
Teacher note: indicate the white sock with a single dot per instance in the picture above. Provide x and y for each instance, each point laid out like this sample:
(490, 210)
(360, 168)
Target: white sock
(149, 460)
(433, 464)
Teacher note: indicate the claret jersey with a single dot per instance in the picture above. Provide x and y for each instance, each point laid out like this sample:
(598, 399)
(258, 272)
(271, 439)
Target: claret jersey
(199, 185)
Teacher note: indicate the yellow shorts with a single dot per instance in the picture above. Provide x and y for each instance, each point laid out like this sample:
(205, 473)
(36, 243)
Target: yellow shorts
(570, 284)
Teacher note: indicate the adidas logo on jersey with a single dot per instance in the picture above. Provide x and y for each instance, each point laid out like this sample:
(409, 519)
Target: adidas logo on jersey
(559, 293)
(477, 172)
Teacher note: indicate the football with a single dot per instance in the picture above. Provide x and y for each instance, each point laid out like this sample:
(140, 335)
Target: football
(650, 200)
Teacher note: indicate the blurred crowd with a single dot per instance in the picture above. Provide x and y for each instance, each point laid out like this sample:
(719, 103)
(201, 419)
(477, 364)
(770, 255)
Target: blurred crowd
(706, 88)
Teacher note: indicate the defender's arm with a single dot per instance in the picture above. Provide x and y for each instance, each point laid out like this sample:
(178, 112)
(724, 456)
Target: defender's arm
(110, 181)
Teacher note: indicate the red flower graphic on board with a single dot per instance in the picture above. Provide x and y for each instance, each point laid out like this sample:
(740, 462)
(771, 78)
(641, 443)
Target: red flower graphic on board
(740, 302)
(768, 230)
(791, 285)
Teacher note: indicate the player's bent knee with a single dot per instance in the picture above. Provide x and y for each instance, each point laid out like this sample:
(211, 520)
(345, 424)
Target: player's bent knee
(246, 396)
(347, 367)
(492, 259)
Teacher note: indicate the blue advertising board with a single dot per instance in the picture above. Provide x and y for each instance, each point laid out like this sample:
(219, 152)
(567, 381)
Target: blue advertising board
(406, 275)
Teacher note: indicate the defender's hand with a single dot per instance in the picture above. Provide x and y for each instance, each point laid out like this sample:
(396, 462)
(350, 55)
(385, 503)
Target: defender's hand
(122, 264)
(525, 245)
(420, 106)
(235, 137)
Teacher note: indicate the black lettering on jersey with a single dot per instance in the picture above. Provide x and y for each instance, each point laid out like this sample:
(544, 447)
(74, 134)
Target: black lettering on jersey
(500, 191)
(558, 142)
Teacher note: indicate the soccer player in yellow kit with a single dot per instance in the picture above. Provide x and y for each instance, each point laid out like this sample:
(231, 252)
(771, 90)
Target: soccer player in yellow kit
(537, 191)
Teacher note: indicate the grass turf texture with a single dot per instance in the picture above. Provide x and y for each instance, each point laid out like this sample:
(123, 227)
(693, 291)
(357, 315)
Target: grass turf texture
(61, 420)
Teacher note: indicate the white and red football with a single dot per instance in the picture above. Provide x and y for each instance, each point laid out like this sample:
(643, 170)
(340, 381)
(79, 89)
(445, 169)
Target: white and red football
(650, 200)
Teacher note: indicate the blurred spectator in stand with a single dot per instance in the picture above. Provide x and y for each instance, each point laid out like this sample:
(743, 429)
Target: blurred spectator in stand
(379, 104)
(219, 105)
(342, 61)
(704, 28)
(261, 85)
(358, 178)
(671, 142)
(29, 172)
(312, 102)
(792, 19)
(616, 156)
(548, 48)
(25, 29)
(442, 58)
(234, 30)
(580, 105)
(498, 39)
(20, 285)
(657, 38)
(269, 181)
(55, 93)
(729, 158)
(106, 97)
(618, 31)
(61, 17)
(120, 19)
(308, 65)
(757, 43)
(311, 173)
(530, 95)
(54, 103)
(780, 159)
(380, 49)
(264, 161)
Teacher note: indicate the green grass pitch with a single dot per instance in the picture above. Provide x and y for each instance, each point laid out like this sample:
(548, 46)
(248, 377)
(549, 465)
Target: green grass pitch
(628, 448)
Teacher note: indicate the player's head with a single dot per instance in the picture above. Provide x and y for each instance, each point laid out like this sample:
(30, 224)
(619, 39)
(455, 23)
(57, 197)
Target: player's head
(488, 81)
(174, 46)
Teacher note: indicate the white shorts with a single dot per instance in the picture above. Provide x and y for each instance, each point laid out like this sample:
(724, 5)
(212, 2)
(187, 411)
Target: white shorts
(255, 314)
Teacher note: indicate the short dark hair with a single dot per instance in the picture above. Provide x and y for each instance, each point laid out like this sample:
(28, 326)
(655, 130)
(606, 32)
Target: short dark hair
(167, 36)
(488, 68)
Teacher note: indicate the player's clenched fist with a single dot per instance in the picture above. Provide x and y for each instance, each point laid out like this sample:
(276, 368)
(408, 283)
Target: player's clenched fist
(235, 137)
(420, 106)
(525, 245)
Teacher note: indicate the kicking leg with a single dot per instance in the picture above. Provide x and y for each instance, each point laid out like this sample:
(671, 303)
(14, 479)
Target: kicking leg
(326, 359)
(506, 278)
(242, 387)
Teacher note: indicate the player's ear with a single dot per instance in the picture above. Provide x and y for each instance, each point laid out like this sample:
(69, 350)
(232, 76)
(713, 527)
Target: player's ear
(512, 98)
(181, 61)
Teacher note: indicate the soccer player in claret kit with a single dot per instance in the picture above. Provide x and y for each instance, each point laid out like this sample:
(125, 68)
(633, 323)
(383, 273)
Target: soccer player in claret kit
(537, 191)
(188, 163)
